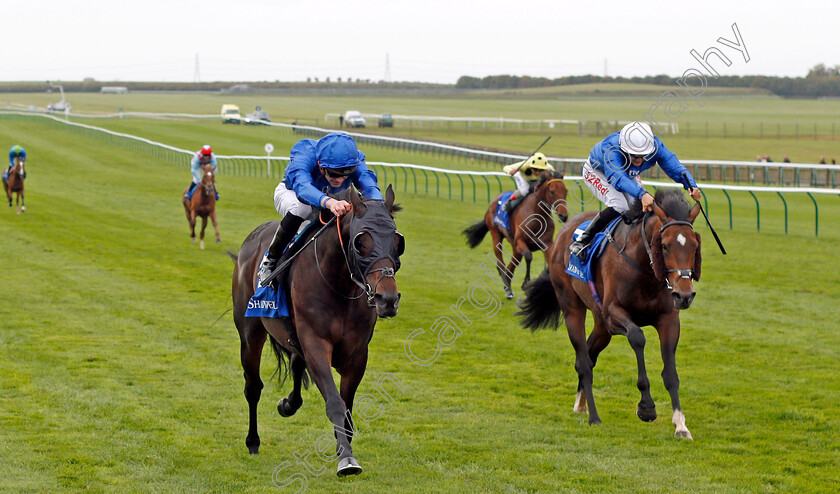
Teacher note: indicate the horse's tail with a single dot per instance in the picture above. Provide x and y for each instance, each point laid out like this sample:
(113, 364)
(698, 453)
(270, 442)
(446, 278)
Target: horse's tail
(232, 255)
(283, 357)
(475, 233)
(539, 308)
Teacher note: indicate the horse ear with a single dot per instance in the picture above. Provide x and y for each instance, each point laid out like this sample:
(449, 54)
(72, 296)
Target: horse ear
(389, 198)
(694, 212)
(697, 259)
(659, 212)
(359, 207)
(657, 257)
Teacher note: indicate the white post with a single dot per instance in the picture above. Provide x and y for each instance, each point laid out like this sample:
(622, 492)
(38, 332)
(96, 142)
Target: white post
(268, 149)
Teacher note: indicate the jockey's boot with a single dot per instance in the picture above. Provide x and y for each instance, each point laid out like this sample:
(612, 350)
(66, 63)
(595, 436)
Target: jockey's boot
(598, 223)
(192, 187)
(511, 203)
(285, 233)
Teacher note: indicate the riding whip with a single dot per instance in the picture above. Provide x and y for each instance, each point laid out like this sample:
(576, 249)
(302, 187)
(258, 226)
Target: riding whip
(533, 153)
(687, 187)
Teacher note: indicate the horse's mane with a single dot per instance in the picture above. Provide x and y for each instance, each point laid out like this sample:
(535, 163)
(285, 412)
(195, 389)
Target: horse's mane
(344, 195)
(672, 201)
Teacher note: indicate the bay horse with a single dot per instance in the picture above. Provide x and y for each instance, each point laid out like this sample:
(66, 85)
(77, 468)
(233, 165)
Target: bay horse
(644, 278)
(14, 184)
(203, 204)
(531, 227)
(337, 286)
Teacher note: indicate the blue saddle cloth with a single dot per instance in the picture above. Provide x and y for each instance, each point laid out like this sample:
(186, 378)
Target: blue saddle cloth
(6, 175)
(268, 301)
(502, 217)
(194, 188)
(582, 268)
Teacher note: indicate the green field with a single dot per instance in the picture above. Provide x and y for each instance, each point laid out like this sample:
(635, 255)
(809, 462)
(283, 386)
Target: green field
(120, 369)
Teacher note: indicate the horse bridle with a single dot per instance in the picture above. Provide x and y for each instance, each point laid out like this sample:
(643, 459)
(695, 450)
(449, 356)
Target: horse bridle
(683, 273)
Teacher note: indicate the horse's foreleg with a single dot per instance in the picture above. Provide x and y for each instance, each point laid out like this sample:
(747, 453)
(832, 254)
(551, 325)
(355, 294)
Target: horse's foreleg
(215, 226)
(668, 328)
(192, 225)
(526, 254)
(575, 318)
(319, 356)
(252, 340)
(289, 405)
(351, 376)
(620, 323)
(203, 227)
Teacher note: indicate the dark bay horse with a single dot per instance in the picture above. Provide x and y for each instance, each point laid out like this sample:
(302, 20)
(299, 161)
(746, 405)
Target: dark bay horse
(14, 184)
(644, 278)
(532, 227)
(203, 204)
(337, 286)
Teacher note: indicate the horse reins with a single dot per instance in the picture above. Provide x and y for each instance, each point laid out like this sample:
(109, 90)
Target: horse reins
(683, 273)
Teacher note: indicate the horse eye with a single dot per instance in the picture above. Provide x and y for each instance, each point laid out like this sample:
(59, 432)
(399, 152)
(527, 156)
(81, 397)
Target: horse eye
(400, 243)
(664, 247)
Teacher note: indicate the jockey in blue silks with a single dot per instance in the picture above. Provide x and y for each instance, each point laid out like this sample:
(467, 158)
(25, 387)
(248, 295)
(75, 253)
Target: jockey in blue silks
(612, 174)
(316, 168)
(203, 156)
(15, 152)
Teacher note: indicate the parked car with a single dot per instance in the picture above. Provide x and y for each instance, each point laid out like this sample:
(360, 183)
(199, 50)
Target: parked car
(386, 120)
(230, 114)
(353, 118)
(258, 117)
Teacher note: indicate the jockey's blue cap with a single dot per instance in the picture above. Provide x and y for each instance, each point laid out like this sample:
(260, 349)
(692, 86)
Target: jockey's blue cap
(17, 149)
(337, 150)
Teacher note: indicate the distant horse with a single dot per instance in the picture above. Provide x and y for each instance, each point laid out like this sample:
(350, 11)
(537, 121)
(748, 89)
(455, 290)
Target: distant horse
(531, 227)
(14, 184)
(645, 279)
(337, 287)
(203, 204)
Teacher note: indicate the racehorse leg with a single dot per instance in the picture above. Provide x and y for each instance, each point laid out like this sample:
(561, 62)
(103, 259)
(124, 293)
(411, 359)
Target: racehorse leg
(8, 191)
(252, 338)
(528, 257)
(203, 227)
(351, 376)
(288, 406)
(215, 226)
(597, 341)
(506, 275)
(192, 225)
(318, 360)
(668, 328)
(22, 203)
(575, 318)
(620, 323)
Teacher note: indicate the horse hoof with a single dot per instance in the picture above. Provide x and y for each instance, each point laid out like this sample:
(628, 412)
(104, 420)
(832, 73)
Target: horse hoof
(201, 245)
(22, 209)
(509, 294)
(194, 240)
(285, 408)
(218, 240)
(595, 421)
(684, 434)
(646, 414)
(254, 450)
(348, 466)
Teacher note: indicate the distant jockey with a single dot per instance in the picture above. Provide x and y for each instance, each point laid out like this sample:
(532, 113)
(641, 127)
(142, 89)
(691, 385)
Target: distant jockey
(526, 174)
(612, 174)
(203, 156)
(15, 152)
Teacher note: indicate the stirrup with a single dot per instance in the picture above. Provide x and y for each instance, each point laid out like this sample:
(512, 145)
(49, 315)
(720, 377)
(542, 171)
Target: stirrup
(578, 248)
(267, 267)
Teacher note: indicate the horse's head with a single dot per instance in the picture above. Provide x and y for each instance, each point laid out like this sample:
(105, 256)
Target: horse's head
(552, 190)
(375, 250)
(18, 168)
(675, 247)
(208, 180)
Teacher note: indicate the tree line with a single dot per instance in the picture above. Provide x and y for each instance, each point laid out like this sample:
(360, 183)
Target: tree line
(821, 81)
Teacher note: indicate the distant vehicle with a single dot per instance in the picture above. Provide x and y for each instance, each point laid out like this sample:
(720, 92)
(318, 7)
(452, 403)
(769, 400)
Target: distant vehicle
(258, 117)
(386, 120)
(230, 114)
(353, 118)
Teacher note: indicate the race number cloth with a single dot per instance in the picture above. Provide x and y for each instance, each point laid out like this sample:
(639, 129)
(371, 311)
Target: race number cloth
(502, 217)
(268, 302)
(582, 269)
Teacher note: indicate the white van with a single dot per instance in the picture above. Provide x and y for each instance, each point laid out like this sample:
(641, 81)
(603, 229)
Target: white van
(353, 118)
(230, 114)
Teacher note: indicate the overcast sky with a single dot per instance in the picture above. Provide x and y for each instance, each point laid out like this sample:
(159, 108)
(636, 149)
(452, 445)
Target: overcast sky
(426, 40)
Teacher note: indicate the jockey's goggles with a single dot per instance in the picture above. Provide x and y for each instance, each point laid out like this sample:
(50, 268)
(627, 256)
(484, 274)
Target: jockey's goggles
(339, 172)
